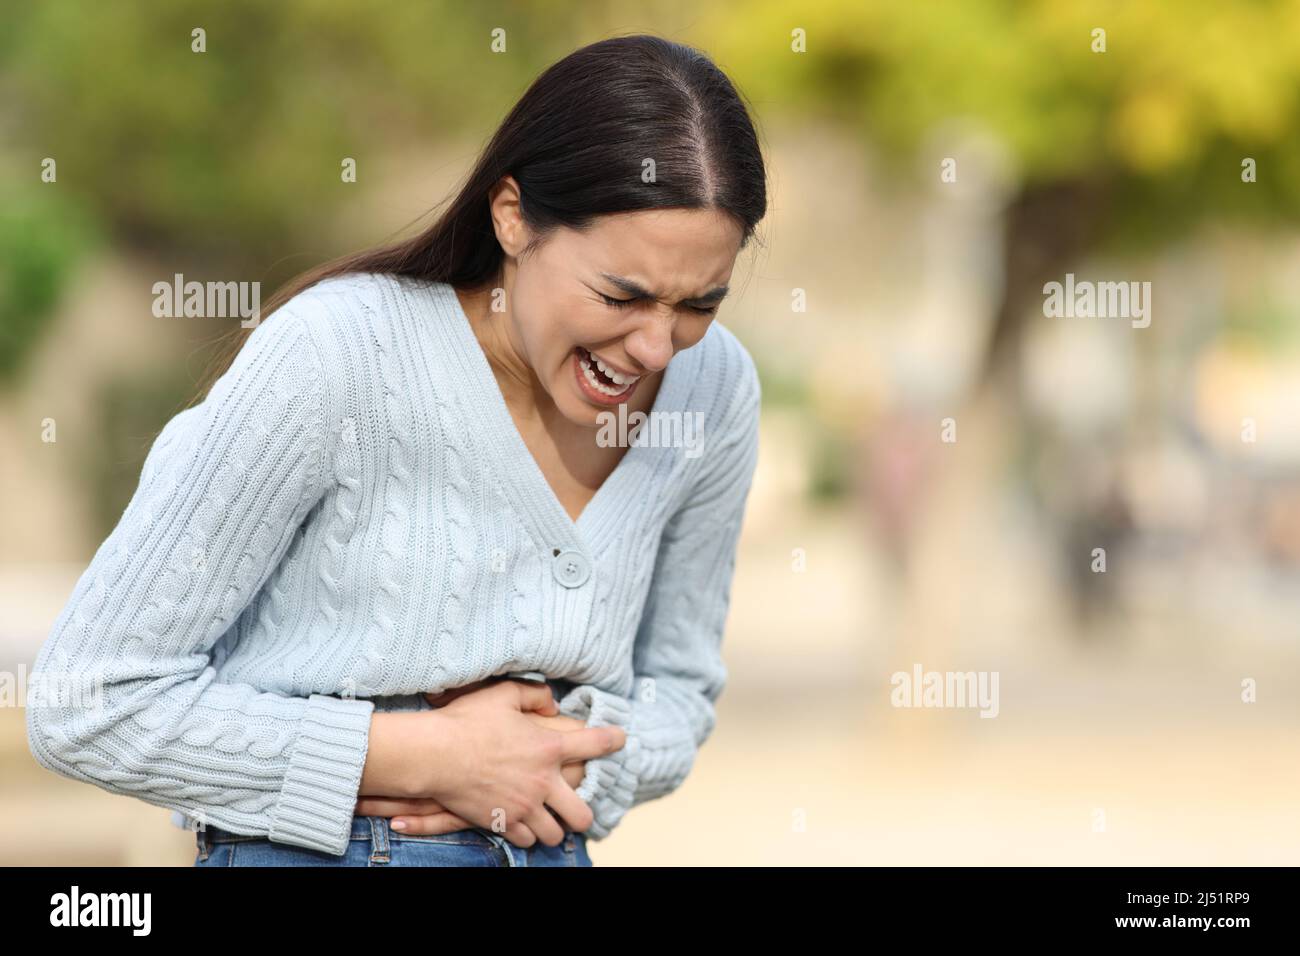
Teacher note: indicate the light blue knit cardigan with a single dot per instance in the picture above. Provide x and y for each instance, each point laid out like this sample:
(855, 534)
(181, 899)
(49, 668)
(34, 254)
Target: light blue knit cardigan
(351, 519)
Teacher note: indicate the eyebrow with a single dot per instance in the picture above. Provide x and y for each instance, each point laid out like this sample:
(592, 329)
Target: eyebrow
(631, 288)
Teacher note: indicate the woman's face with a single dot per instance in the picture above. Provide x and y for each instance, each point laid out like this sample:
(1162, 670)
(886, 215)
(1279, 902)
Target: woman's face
(596, 313)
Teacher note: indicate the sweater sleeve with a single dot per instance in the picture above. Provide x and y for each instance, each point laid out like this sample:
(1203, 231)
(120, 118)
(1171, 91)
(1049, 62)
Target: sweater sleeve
(677, 663)
(125, 696)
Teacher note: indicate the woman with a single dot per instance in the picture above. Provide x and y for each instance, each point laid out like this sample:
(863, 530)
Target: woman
(408, 587)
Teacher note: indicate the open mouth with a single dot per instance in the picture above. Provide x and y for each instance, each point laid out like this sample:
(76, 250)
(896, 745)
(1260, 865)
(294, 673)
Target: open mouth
(602, 383)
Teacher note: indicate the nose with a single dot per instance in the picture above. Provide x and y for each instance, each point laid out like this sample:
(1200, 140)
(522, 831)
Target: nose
(651, 344)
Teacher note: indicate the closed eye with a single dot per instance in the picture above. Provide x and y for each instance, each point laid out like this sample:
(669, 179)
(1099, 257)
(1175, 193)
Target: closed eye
(624, 303)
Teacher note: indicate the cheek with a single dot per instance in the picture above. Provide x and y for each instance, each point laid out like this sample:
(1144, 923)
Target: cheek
(554, 348)
(547, 335)
(690, 333)
(581, 324)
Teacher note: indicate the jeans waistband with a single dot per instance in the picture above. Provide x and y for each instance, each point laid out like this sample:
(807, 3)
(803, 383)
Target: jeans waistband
(375, 829)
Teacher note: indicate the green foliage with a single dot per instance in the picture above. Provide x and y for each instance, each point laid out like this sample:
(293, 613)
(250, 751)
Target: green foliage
(235, 153)
(1265, 325)
(43, 237)
(831, 478)
(1183, 92)
(781, 387)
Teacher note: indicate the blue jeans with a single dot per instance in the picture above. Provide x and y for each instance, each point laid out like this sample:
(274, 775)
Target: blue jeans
(375, 843)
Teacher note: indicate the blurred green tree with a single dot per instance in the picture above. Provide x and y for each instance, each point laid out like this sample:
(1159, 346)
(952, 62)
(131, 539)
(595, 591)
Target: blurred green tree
(43, 238)
(234, 153)
(1116, 150)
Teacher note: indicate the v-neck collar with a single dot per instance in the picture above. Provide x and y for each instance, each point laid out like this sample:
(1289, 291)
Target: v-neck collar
(523, 479)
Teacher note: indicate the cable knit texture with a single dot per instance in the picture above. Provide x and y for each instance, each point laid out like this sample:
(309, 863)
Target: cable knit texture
(350, 520)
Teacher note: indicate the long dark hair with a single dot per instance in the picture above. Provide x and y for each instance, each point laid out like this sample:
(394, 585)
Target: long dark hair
(577, 143)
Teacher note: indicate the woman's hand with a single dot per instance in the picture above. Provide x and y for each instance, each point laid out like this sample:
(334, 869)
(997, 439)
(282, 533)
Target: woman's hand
(573, 771)
(428, 817)
(416, 817)
(501, 747)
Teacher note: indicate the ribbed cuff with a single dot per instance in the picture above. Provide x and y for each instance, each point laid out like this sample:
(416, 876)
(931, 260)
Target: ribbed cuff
(319, 796)
(609, 784)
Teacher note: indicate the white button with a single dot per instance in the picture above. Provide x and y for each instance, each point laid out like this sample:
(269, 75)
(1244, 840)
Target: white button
(571, 568)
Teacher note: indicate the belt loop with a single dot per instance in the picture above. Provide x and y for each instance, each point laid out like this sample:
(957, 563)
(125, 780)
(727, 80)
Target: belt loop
(506, 847)
(380, 851)
(201, 838)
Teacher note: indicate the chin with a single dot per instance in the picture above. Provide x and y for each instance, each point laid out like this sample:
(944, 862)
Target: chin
(578, 412)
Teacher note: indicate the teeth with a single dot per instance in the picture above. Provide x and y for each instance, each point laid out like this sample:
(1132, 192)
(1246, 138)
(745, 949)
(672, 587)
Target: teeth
(597, 384)
(618, 378)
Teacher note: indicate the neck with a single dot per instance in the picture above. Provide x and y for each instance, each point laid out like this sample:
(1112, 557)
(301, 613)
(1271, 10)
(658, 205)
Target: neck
(519, 384)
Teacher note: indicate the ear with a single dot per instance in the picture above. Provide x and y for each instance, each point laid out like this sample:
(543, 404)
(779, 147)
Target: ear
(504, 204)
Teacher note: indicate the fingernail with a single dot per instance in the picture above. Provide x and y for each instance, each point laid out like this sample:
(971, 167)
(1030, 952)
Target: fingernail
(399, 824)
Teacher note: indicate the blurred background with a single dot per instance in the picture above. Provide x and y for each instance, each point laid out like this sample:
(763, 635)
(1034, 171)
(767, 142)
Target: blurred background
(940, 460)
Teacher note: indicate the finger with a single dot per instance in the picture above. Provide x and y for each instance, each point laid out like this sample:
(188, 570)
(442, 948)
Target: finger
(392, 807)
(561, 722)
(536, 697)
(520, 835)
(545, 827)
(572, 809)
(430, 824)
(574, 773)
(591, 742)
